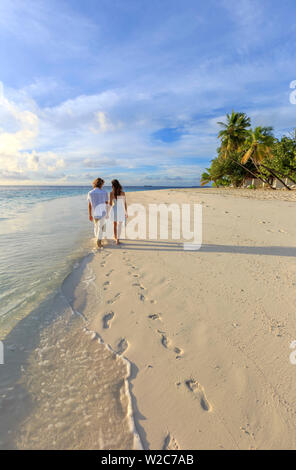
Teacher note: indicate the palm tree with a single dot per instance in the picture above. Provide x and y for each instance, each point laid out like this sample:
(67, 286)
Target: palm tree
(233, 136)
(206, 177)
(260, 142)
(234, 133)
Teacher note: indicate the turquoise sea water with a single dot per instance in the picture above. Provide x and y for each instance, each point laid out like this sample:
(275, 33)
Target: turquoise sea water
(43, 231)
(15, 200)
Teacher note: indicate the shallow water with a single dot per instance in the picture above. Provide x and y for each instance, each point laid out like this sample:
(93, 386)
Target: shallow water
(38, 248)
(60, 387)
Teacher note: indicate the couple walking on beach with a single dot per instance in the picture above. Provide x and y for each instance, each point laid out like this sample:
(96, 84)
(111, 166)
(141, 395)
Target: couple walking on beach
(103, 209)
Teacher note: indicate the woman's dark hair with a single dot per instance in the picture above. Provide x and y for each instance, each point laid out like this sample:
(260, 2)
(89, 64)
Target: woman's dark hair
(117, 188)
(98, 183)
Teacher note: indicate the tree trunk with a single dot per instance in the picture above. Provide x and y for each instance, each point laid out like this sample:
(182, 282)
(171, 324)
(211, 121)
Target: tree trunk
(251, 173)
(261, 178)
(288, 176)
(276, 176)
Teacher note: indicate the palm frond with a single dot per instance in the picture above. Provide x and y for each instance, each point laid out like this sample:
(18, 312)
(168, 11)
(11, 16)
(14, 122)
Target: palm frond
(247, 156)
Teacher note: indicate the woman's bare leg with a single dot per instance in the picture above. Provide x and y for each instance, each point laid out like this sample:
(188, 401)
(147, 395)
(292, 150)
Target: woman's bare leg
(119, 229)
(115, 232)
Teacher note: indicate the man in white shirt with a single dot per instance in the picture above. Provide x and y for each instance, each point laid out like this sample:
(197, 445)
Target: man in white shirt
(97, 208)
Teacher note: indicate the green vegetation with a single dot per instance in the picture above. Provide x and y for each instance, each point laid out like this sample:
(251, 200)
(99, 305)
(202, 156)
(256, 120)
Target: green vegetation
(251, 153)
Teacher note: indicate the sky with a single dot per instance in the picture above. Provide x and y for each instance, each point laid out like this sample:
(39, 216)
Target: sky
(133, 89)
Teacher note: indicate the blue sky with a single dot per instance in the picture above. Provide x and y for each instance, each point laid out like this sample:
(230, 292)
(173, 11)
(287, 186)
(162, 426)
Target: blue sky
(133, 89)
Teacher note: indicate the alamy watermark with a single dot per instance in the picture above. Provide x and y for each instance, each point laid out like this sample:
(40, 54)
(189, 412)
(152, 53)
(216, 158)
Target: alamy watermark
(1, 353)
(293, 93)
(158, 222)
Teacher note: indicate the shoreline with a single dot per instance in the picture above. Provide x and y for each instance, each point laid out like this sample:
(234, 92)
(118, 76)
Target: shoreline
(94, 336)
(40, 372)
(144, 310)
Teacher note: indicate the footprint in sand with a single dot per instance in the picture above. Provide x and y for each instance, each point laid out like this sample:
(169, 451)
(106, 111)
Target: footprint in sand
(111, 301)
(247, 430)
(106, 284)
(107, 319)
(144, 299)
(131, 266)
(109, 273)
(137, 284)
(170, 443)
(132, 270)
(167, 344)
(122, 346)
(155, 316)
(164, 339)
(198, 390)
(179, 353)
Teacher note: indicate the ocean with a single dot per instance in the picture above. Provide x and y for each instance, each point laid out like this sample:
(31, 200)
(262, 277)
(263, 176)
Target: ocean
(56, 386)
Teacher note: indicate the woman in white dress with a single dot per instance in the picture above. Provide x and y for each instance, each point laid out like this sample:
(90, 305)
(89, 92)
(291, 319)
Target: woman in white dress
(118, 213)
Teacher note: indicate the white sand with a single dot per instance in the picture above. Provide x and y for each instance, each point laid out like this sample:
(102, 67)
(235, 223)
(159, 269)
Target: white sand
(208, 332)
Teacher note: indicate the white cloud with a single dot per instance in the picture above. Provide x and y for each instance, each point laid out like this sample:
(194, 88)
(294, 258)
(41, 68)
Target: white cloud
(99, 162)
(250, 22)
(48, 25)
(33, 162)
(27, 123)
(103, 123)
(17, 153)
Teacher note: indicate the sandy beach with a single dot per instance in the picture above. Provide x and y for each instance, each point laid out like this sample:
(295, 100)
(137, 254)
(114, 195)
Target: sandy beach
(174, 121)
(207, 332)
(206, 335)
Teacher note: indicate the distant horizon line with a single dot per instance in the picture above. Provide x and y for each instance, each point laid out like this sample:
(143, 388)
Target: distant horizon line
(90, 185)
